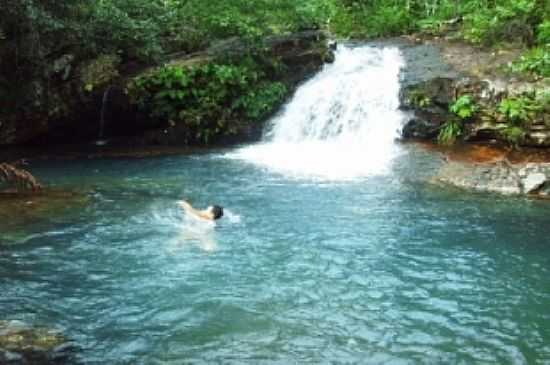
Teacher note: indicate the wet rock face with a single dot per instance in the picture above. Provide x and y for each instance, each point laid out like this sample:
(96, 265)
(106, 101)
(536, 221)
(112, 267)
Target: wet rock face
(22, 344)
(429, 102)
(423, 63)
(59, 105)
(502, 178)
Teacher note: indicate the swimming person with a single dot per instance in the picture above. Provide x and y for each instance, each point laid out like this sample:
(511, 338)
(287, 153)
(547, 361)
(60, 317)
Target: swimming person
(211, 213)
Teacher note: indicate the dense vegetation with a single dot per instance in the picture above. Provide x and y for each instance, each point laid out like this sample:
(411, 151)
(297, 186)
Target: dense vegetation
(145, 30)
(36, 33)
(216, 98)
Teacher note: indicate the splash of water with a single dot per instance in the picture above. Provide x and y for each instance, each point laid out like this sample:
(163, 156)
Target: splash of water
(342, 124)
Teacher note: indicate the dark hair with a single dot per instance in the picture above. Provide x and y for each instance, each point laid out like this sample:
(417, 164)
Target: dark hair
(217, 211)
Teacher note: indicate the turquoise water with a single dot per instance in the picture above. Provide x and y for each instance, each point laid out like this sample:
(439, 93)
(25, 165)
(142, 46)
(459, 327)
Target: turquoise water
(379, 269)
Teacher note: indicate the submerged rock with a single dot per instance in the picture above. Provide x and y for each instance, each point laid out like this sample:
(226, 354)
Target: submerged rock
(20, 211)
(21, 343)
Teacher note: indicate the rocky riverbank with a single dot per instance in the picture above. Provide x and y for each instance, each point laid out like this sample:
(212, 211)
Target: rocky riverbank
(480, 96)
(457, 93)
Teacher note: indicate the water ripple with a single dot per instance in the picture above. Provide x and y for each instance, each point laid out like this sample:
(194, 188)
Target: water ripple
(377, 271)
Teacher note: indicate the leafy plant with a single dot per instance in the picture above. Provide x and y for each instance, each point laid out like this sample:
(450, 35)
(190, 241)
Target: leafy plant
(211, 99)
(464, 107)
(479, 25)
(535, 61)
(542, 99)
(518, 110)
(450, 132)
(543, 30)
(261, 101)
(513, 134)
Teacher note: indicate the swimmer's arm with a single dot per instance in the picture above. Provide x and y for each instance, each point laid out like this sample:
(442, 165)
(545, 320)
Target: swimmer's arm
(185, 205)
(189, 209)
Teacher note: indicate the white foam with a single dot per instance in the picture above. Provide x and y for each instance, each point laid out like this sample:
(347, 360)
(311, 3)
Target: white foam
(233, 218)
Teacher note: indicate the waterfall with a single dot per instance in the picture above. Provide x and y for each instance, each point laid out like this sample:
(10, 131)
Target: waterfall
(341, 124)
(100, 141)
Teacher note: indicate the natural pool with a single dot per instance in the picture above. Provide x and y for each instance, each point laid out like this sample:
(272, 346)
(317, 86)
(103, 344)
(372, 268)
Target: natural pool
(335, 248)
(380, 269)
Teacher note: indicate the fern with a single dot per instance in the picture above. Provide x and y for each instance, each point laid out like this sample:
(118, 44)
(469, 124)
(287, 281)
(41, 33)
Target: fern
(449, 132)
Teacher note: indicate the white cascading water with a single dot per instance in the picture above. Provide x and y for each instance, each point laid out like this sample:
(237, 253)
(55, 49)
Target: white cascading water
(341, 124)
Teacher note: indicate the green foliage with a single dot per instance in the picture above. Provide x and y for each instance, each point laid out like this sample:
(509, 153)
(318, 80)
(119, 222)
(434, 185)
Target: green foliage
(509, 20)
(519, 110)
(464, 107)
(513, 134)
(133, 28)
(542, 99)
(361, 19)
(543, 34)
(484, 21)
(535, 61)
(260, 101)
(211, 99)
(34, 33)
(449, 132)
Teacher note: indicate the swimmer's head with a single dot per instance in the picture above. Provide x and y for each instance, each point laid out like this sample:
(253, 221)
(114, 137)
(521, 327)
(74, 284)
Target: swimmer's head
(216, 211)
